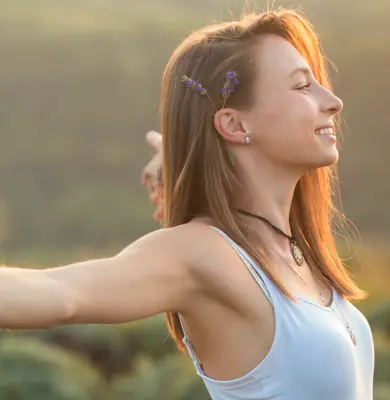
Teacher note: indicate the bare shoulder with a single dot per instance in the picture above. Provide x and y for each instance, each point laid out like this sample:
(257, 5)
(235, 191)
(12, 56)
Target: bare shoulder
(179, 250)
(192, 254)
(179, 243)
(193, 247)
(196, 244)
(209, 259)
(184, 243)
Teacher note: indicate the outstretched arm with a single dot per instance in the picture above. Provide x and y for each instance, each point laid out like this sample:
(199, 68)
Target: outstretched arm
(148, 277)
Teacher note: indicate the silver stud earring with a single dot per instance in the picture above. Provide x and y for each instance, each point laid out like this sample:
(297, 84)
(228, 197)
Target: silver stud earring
(247, 140)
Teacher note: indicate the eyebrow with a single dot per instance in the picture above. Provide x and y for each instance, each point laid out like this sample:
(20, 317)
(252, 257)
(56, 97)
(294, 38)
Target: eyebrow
(304, 70)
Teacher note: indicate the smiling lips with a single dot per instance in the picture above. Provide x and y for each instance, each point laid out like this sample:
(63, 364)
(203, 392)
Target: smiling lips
(325, 131)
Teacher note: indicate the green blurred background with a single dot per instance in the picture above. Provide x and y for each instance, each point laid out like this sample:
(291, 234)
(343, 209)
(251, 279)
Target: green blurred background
(79, 88)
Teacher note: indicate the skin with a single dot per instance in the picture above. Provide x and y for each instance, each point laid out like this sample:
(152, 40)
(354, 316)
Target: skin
(149, 177)
(227, 317)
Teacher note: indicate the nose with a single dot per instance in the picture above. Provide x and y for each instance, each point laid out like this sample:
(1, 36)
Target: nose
(332, 104)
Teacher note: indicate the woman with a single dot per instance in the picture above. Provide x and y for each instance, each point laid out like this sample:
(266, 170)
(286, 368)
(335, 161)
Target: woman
(246, 267)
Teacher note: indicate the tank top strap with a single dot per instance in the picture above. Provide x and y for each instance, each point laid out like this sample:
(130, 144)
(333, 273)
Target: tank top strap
(190, 350)
(260, 277)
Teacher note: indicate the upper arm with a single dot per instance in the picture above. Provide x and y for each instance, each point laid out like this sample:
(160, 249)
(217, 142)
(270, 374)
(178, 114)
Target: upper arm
(148, 277)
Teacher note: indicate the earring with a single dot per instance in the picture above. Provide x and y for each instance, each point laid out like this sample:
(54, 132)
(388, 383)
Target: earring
(247, 140)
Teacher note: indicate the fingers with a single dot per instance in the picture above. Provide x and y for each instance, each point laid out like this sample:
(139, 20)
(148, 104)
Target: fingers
(151, 176)
(159, 212)
(145, 177)
(154, 198)
(154, 139)
(151, 170)
(155, 190)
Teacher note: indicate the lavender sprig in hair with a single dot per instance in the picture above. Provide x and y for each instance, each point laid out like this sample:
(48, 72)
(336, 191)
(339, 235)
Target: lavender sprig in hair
(195, 85)
(230, 82)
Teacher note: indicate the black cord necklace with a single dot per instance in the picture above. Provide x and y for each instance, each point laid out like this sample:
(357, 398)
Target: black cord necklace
(295, 250)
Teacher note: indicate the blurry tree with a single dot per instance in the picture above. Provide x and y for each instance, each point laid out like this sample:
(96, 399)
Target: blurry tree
(32, 370)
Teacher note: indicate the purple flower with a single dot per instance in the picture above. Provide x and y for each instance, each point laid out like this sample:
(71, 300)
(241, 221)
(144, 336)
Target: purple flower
(230, 82)
(230, 74)
(194, 85)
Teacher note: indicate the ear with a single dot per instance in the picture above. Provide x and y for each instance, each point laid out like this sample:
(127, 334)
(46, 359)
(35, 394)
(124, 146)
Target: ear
(229, 124)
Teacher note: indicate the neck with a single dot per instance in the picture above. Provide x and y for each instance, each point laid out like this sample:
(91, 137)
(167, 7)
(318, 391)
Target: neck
(268, 192)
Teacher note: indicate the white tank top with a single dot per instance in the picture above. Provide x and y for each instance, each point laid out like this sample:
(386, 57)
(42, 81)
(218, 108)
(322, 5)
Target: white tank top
(312, 356)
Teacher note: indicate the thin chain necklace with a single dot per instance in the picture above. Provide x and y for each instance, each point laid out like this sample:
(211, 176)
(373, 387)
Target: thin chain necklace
(295, 250)
(342, 319)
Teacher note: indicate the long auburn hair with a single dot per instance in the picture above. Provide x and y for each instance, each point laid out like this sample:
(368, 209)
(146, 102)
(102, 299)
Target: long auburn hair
(198, 176)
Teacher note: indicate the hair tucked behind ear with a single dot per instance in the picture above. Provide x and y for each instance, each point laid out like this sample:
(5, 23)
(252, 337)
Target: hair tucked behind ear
(197, 172)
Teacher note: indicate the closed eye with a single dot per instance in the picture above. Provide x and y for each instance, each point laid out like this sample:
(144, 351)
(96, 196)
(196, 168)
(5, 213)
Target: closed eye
(303, 86)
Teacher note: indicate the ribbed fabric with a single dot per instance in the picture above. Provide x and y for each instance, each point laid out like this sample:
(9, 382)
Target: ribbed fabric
(312, 356)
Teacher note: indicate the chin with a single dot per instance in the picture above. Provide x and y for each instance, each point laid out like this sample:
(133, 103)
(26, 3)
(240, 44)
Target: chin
(326, 159)
(329, 159)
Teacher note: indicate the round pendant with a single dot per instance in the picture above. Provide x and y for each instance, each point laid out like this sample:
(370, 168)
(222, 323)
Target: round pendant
(297, 253)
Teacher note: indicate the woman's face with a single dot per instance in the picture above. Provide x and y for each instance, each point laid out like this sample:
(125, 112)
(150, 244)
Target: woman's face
(289, 110)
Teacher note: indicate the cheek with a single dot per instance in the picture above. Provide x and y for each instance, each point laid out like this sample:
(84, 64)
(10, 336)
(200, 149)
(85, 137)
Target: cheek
(305, 111)
(293, 117)
(286, 125)
(298, 109)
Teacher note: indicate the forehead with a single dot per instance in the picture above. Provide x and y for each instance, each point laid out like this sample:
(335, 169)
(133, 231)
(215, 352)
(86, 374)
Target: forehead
(277, 58)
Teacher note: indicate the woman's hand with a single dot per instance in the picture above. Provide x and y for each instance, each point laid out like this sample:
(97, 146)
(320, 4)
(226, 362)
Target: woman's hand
(151, 176)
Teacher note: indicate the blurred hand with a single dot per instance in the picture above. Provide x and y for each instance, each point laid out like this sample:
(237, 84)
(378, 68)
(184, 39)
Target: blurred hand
(151, 176)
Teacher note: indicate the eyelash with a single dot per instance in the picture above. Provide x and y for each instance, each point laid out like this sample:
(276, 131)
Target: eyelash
(306, 86)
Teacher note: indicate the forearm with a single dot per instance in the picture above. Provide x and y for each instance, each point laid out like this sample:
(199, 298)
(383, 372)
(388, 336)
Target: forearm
(29, 299)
